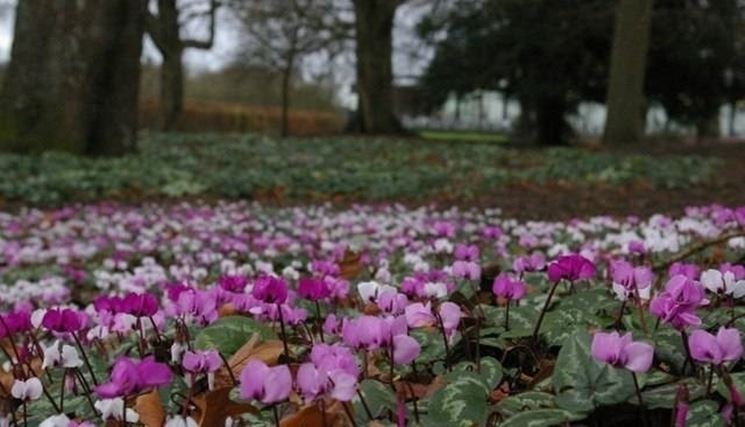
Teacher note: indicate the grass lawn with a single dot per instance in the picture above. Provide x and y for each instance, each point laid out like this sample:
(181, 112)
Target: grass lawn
(343, 169)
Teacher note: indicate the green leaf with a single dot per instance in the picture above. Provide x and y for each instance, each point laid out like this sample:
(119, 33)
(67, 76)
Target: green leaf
(461, 402)
(663, 396)
(738, 379)
(559, 325)
(490, 375)
(378, 396)
(527, 401)
(582, 383)
(432, 345)
(522, 321)
(229, 333)
(704, 413)
(539, 418)
(669, 347)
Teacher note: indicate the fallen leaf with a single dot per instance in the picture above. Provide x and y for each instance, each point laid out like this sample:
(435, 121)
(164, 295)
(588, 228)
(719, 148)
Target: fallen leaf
(350, 265)
(268, 352)
(215, 406)
(311, 416)
(150, 408)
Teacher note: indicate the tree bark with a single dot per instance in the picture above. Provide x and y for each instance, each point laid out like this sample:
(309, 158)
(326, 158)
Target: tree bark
(73, 77)
(374, 37)
(165, 31)
(286, 80)
(625, 100)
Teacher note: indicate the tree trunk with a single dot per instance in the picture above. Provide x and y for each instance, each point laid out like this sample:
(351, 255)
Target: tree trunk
(374, 36)
(286, 79)
(551, 124)
(172, 87)
(625, 100)
(73, 78)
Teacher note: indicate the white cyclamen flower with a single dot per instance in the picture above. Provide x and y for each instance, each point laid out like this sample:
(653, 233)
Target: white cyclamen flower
(61, 355)
(30, 389)
(112, 409)
(717, 282)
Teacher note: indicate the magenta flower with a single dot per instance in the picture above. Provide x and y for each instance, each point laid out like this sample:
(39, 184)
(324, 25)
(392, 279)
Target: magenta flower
(233, 282)
(140, 305)
(129, 377)
(270, 289)
(466, 252)
(678, 302)
(726, 346)
(265, 384)
(64, 320)
(507, 287)
(333, 357)
(17, 321)
(313, 288)
(620, 351)
(571, 267)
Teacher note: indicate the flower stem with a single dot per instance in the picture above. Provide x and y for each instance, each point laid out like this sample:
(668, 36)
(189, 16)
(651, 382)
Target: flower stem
(537, 329)
(711, 379)
(318, 320)
(85, 358)
(689, 358)
(364, 405)
(507, 317)
(445, 341)
(349, 414)
(617, 323)
(638, 390)
(276, 415)
(282, 328)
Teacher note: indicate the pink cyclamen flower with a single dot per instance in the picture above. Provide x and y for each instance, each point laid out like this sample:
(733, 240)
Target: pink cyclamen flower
(691, 271)
(314, 289)
(270, 289)
(392, 302)
(64, 320)
(315, 381)
(419, 315)
(129, 377)
(620, 351)
(534, 262)
(265, 384)
(15, 322)
(507, 287)
(571, 267)
(405, 349)
(450, 315)
(201, 362)
(468, 270)
(629, 280)
(726, 346)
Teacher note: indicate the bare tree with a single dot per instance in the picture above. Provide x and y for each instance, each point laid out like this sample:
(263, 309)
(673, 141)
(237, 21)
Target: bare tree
(165, 29)
(280, 35)
(625, 100)
(73, 78)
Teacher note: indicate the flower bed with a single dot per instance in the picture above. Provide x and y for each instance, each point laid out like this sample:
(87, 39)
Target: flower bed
(239, 314)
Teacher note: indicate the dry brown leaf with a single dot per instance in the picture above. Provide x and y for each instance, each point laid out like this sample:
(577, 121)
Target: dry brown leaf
(227, 310)
(215, 406)
(311, 416)
(268, 352)
(150, 408)
(350, 265)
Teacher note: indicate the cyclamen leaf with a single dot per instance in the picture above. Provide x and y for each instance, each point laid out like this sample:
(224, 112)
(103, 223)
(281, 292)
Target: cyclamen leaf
(583, 384)
(229, 333)
(491, 371)
(539, 418)
(527, 401)
(460, 403)
(704, 413)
